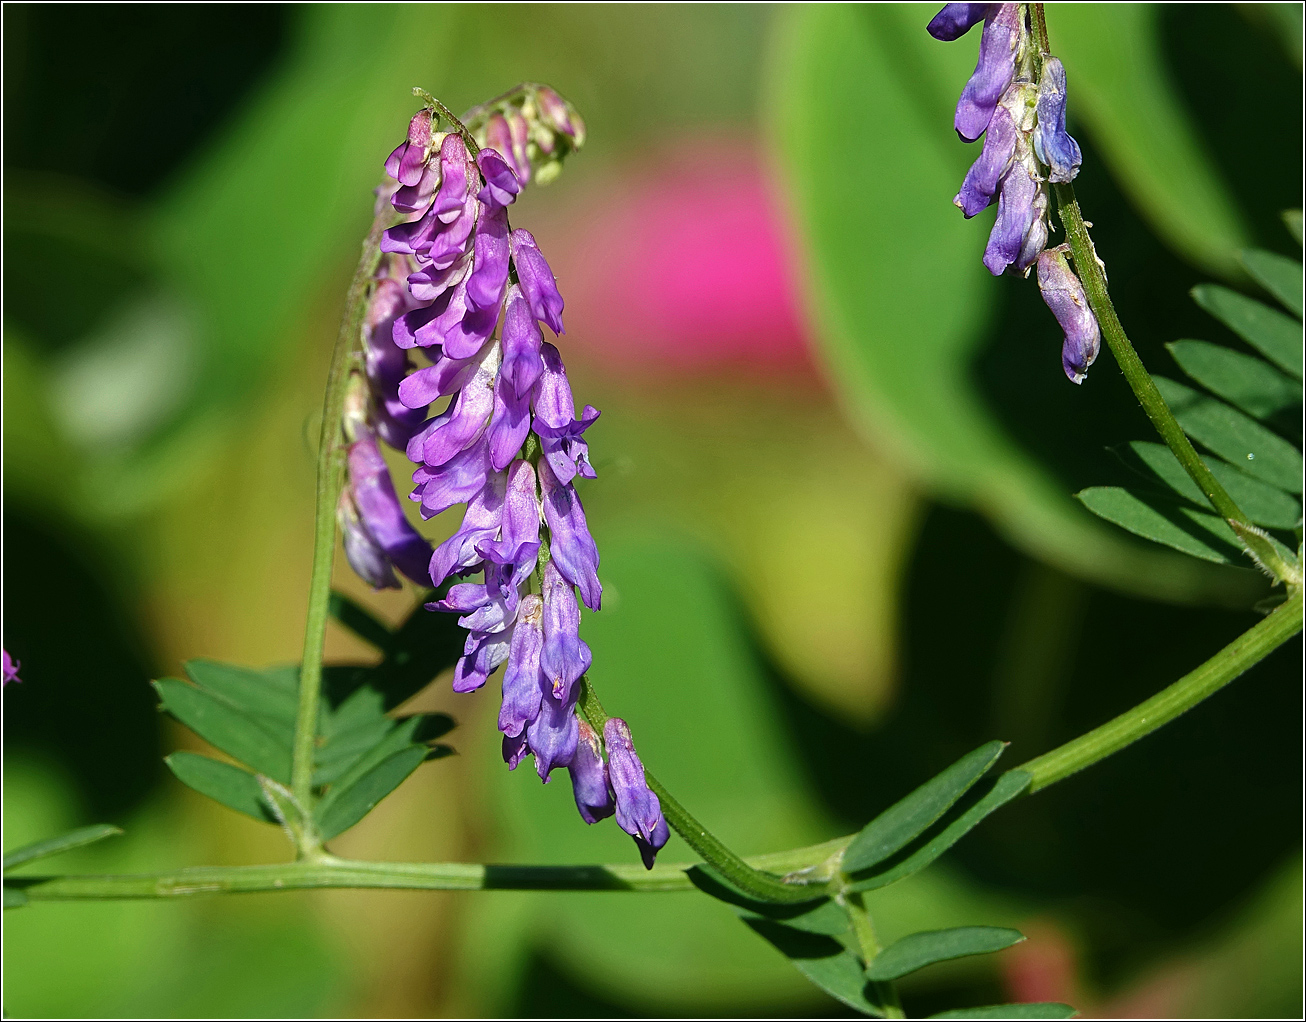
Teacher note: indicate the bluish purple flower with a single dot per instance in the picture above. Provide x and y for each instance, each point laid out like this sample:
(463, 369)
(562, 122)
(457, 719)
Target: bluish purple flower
(573, 548)
(537, 281)
(556, 424)
(639, 813)
(11, 669)
(381, 517)
(589, 777)
(993, 72)
(501, 184)
(1052, 143)
(1018, 210)
(565, 657)
(480, 524)
(1064, 295)
(986, 173)
(552, 736)
(955, 20)
(519, 539)
(523, 687)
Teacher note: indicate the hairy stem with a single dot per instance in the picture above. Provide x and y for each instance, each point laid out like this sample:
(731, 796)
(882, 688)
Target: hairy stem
(1248, 649)
(885, 994)
(330, 477)
(1254, 541)
(756, 883)
(330, 872)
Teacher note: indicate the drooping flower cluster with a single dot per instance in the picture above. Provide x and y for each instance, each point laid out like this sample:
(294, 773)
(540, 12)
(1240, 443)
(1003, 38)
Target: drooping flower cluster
(1018, 104)
(458, 284)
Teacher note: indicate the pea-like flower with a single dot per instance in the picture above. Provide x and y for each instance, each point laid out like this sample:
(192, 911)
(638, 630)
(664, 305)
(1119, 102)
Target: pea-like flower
(1054, 146)
(1003, 29)
(638, 811)
(1064, 295)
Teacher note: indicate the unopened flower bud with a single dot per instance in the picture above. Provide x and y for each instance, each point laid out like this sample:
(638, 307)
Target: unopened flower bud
(1064, 295)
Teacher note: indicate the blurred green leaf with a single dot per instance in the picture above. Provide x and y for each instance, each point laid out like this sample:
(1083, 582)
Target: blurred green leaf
(823, 960)
(14, 897)
(1264, 504)
(1278, 274)
(234, 787)
(921, 949)
(1243, 380)
(906, 819)
(347, 805)
(1119, 87)
(1274, 335)
(934, 842)
(1162, 520)
(259, 744)
(1233, 436)
(1292, 219)
(65, 842)
(898, 356)
(1043, 1009)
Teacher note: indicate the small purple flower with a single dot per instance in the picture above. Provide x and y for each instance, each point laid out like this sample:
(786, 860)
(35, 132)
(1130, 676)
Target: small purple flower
(1052, 143)
(522, 682)
(589, 777)
(537, 281)
(955, 20)
(574, 550)
(11, 669)
(639, 813)
(519, 540)
(1018, 212)
(993, 72)
(565, 657)
(480, 524)
(555, 422)
(501, 184)
(382, 518)
(986, 173)
(1064, 295)
(552, 736)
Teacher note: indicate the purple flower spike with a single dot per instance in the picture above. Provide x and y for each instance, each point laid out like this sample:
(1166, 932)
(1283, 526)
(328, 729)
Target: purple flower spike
(522, 691)
(520, 538)
(1054, 146)
(382, 516)
(589, 777)
(639, 813)
(501, 184)
(985, 174)
(565, 656)
(1016, 214)
(522, 340)
(537, 280)
(11, 668)
(955, 20)
(574, 551)
(993, 72)
(552, 736)
(481, 522)
(1064, 295)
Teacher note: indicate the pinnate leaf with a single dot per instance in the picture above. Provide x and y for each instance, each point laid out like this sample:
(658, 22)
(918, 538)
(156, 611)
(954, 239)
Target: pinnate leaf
(259, 744)
(1274, 335)
(347, 805)
(1252, 384)
(905, 820)
(918, 950)
(1233, 436)
(1165, 520)
(1278, 274)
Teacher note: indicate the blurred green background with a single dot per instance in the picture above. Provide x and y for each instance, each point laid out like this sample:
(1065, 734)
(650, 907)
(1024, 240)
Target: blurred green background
(835, 464)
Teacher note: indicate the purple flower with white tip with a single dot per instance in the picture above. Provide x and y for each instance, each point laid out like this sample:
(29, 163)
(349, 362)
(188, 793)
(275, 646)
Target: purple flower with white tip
(1052, 142)
(638, 811)
(1003, 28)
(1064, 295)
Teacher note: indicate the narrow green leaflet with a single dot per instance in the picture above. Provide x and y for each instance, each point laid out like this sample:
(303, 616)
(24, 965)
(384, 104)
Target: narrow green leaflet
(359, 621)
(904, 820)
(226, 727)
(271, 695)
(14, 897)
(1252, 384)
(1264, 504)
(1164, 520)
(1292, 220)
(934, 842)
(918, 950)
(1043, 1009)
(1278, 274)
(1274, 335)
(824, 961)
(352, 803)
(235, 788)
(1233, 436)
(78, 838)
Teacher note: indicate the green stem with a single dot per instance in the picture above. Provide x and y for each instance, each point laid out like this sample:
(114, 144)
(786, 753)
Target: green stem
(1245, 651)
(1254, 541)
(330, 478)
(330, 872)
(885, 994)
(756, 883)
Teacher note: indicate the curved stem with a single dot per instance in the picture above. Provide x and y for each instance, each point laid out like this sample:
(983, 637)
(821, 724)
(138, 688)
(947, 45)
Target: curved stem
(1254, 541)
(1245, 651)
(330, 478)
(753, 882)
(326, 871)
